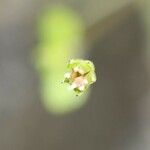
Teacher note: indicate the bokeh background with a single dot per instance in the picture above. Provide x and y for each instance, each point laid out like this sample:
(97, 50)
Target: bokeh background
(116, 113)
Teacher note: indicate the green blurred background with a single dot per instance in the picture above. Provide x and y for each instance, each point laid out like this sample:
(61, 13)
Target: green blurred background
(36, 40)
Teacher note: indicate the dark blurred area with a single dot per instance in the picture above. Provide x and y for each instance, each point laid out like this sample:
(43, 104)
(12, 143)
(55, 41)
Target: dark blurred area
(116, 115)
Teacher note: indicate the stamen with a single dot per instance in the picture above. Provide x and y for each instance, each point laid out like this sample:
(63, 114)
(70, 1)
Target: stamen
(76, 69)
(73, 86)
(67, 75)
(81, 71)
(93, 79)
(81, 88)
(85, 81)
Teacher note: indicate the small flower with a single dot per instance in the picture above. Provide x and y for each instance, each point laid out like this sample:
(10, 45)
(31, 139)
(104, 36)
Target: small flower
(81, 73)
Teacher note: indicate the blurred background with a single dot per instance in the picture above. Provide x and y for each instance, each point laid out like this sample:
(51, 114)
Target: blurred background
(36, 40)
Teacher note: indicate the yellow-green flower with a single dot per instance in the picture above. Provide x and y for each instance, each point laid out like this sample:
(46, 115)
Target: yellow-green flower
(80, 75)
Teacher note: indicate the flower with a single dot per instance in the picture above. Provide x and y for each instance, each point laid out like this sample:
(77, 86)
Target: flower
(81, 74)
